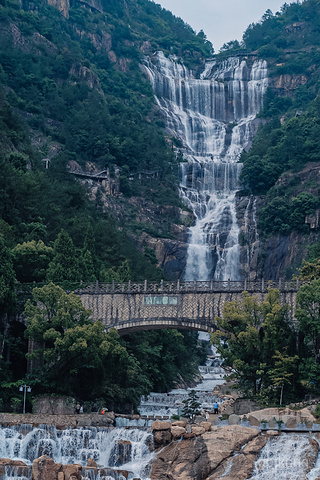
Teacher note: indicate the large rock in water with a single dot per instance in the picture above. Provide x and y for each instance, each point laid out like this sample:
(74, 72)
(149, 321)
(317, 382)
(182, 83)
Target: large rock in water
(199, 457)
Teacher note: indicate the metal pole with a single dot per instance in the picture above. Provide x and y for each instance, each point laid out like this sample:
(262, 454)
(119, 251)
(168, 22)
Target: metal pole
(281, 395)
(24, 398)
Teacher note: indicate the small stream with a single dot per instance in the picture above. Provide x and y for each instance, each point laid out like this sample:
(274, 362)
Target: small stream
(164, 405)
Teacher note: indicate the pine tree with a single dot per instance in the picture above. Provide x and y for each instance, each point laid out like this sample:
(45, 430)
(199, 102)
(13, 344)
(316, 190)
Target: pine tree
(65, 263)
(191, 406)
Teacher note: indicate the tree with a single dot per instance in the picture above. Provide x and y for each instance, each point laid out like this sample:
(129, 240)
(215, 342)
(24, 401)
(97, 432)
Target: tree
(31, 260)
(308, 316)
(283, 371)
(232, 45)
(249, 336)
(65, 262)
(191, 406)
(74, 356)
(7, 290)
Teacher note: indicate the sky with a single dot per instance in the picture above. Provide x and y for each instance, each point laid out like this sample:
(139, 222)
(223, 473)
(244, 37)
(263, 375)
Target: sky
(221, 20)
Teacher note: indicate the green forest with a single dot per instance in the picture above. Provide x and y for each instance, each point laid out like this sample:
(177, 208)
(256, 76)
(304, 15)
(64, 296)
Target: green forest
(71, 90)
(289, 138)
(275, 358)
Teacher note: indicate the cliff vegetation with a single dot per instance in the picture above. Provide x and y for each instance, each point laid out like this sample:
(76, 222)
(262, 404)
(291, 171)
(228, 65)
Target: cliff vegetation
(73, 98)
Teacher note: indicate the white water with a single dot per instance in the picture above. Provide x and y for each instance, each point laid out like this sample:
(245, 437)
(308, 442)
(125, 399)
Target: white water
(77, 445)
(168, 404)
(284, 458)
(213, 117)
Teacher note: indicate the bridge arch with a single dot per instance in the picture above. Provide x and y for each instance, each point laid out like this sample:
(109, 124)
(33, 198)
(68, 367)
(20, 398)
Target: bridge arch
(136, 325)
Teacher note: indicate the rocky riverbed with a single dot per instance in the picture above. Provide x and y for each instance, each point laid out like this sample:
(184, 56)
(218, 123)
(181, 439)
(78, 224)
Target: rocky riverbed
(200, 451)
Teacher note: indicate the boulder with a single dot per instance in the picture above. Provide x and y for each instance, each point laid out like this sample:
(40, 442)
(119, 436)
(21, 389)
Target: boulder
(177, 432)
(273, 433)
(291, 422)
(198, 456)
(71, 472)
(162, 437)
(234, 419)
(273, 423)
(180, 423)
(255, 422)
(206, 425)
(157, 425)
(44, 468)
(254, 447)
(239, 467)
(198, 430)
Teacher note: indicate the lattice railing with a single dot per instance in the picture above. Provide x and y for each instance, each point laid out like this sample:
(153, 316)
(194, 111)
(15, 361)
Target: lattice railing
(173, 287)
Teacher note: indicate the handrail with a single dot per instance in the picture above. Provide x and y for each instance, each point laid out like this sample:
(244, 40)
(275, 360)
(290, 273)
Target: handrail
(163, 287)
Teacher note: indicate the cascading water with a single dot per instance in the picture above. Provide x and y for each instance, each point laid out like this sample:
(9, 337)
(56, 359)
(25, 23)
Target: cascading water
(118, 448)
(167, 404)
(284, 458)
(214, 119)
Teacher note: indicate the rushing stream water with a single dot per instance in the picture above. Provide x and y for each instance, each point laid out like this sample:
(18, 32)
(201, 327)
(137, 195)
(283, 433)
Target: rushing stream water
(115, 448)
(168, 404)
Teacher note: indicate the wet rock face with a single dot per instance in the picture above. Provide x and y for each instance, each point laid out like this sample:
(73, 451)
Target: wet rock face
(206, 456)
(277, 256)
(121, 453)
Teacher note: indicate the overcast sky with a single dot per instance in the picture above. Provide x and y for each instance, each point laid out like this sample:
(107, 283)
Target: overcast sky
(221, 20)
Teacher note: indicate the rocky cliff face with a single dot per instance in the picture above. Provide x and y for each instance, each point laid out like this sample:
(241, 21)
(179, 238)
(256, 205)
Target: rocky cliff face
(278, 256)
(64, 5)
(226, 452)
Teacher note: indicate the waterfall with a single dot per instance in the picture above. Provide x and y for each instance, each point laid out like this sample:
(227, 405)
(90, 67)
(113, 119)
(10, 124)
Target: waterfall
(117, 448)
(284, 457)
(167, 404)
(214, 119)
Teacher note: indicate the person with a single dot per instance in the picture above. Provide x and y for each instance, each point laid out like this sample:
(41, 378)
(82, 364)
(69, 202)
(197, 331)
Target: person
(77, 408)
(81, 409)
(216, 408)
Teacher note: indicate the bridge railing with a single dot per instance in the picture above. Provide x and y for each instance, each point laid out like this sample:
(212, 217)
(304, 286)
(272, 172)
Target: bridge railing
(171, 287)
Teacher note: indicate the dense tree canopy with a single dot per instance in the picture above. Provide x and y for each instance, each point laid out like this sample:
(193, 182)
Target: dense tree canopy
(72, 92)
(74, 356)
(251, 337)
(288, 138)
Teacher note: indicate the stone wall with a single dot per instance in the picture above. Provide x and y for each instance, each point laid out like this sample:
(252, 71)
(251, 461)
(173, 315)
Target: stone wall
(49, 405)
(61, 421)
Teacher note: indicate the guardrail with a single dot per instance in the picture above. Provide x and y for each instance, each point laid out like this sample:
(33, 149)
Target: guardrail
(170, 287)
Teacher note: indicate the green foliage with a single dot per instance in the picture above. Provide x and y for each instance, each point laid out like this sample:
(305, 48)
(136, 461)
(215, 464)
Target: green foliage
(282, 215)
(289, 139)
(191, 406)
(75, 101)
(251, 337)
(16, 405)
(165, 354)
(74, 356)
(65, 263)
(7, 278)
(31, 260)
